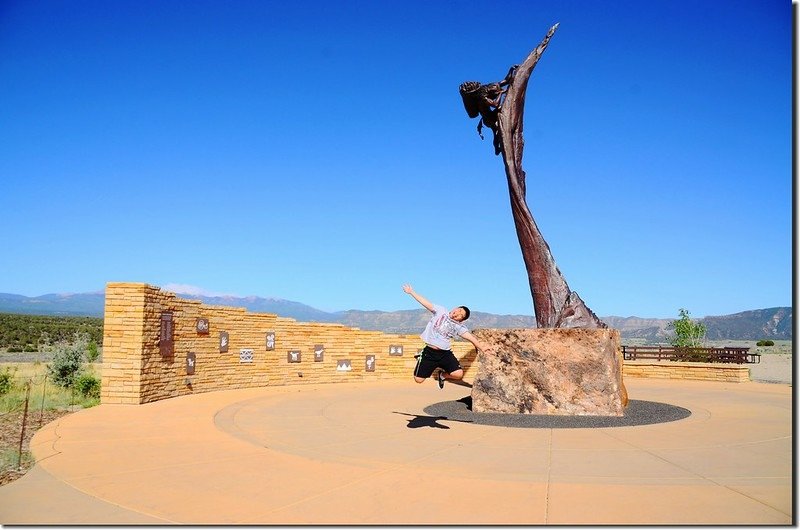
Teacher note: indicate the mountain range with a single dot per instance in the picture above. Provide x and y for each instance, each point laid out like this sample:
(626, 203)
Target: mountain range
(772, 323)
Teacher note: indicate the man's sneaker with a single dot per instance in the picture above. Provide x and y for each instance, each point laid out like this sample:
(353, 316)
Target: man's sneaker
(441, 378)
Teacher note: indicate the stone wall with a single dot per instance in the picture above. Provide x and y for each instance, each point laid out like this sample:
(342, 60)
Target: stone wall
(732, 373)
(135, 370)
(140, 367)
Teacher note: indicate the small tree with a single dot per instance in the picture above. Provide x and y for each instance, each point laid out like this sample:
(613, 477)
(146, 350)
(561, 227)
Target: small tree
(67, 363)
(88, 386)
(45, 342)
(91, 352)
(6, 380)
(687, 333)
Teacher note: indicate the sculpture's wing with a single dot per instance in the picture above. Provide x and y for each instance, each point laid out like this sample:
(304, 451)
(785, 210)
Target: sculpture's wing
(469, 91)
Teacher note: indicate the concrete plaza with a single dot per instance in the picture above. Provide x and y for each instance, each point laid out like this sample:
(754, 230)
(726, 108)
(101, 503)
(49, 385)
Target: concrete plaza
(368, 453)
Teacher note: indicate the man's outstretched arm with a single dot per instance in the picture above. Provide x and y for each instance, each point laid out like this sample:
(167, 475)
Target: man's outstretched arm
(479, 344)
(425, 303)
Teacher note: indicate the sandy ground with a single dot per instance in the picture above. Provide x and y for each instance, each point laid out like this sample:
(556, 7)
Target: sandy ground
(773, 368)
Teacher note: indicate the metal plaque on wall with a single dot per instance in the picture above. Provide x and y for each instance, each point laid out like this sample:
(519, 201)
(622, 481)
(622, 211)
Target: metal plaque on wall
(223, 341)
(166, 344)
(319, 353)
(396, 349)
(343, 365)
(270, 340)
(293, 356)
(202, 326)
(370, 363)
(245, 356)
(190, 361)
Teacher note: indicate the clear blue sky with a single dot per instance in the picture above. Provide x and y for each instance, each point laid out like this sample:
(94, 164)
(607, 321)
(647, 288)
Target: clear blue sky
(319, 151)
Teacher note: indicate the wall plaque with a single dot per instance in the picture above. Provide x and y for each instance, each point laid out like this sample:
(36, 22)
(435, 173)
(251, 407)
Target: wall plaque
(270, 340)
(343, 365)
(319, 353)
(190, 360)
(166, 344)
(223, 341)
(370, 363)
(396, 349)
(202, 326)
(293, 356)
(245, 356)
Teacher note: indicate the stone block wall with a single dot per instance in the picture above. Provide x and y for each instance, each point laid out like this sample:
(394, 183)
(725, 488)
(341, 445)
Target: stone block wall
(731, 373)
(138, 368)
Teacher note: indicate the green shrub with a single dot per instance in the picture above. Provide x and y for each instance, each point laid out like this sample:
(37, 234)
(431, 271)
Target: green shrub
(6, 381)
(687, 332)
(67, 363)
(91, 352)
(765, 343)
(88, 386)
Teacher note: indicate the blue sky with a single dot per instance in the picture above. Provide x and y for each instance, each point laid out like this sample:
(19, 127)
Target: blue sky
(319, 151)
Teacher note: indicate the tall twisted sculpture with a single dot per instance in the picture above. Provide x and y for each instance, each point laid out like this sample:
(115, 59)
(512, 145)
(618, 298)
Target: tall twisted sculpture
(500, 106)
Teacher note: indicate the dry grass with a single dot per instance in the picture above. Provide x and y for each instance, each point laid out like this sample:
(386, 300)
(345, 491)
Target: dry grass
(46, 403)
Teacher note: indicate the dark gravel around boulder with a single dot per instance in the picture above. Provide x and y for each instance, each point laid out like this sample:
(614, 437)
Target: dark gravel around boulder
(636, 413)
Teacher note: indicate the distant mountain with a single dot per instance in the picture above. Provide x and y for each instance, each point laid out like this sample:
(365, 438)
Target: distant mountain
(72, 304)
(772, 323)
(413, 321)
(285, 308)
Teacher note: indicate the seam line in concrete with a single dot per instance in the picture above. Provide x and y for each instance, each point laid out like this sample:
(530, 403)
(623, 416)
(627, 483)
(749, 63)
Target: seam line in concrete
(370, 476)
(547, 482)
(709, 479)
(103, 500)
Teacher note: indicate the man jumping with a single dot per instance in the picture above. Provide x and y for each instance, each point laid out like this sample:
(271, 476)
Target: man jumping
(442, 327)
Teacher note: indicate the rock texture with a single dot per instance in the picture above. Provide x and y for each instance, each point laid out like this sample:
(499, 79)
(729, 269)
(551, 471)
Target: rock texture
(550, 371)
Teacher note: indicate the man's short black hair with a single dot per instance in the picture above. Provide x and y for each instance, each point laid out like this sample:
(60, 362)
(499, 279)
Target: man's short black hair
(466, 310)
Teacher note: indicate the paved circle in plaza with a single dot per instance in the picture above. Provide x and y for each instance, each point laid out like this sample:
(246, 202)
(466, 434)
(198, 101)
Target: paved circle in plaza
(637, 412)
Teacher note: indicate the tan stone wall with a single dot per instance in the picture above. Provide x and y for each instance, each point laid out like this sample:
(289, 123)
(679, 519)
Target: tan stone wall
(734, 373)
(134, 370)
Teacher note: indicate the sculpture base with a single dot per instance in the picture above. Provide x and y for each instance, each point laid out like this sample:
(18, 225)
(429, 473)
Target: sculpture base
(550, 371)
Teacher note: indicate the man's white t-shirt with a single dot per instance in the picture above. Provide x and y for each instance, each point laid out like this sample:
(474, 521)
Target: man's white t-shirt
(441, 328)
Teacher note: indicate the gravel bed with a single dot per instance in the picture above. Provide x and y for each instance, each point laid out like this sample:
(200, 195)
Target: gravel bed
(637, 412)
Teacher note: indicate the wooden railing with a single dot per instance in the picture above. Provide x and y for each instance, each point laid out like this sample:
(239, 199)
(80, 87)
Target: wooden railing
(728, 354)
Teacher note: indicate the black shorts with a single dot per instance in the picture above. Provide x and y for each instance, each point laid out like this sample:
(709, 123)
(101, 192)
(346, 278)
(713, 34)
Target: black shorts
(430, 359)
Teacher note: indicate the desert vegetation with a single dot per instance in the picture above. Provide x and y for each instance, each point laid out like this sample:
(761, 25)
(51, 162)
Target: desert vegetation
(33, 394)
(39, 333)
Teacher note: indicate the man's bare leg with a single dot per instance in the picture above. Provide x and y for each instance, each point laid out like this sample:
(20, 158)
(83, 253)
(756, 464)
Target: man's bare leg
(456, 375)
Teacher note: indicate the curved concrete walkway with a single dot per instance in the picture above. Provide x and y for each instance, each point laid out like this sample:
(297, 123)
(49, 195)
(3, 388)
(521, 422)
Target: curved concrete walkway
(369, 454)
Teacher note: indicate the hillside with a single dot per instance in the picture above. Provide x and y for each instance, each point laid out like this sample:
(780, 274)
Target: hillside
(772, 323)
(72, 304)
(32, 333)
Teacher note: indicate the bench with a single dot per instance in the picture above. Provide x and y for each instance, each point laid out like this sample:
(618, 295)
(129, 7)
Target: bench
(728, 354)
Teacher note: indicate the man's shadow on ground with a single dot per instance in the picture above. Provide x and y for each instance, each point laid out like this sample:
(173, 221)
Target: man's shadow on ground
(418, 421)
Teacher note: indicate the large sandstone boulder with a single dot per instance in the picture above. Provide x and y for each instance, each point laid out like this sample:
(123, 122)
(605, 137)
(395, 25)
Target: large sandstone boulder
(571, 372)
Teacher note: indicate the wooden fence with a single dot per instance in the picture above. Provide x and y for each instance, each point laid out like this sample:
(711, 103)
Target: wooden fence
(728, 354)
